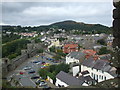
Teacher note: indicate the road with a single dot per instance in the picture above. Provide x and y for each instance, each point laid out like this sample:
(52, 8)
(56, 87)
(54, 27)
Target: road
(25, 79)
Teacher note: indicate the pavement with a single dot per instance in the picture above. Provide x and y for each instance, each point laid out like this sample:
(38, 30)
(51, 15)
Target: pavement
(51, 85)
(25, 79)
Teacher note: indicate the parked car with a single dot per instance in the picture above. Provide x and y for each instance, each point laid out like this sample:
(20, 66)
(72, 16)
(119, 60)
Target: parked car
(35, 77)
(47, 64)
(42, 83)
(43, 63)
(35, 61)
(38, 81)
(31, 71)
(21, 73)
(39, 62)
(26, 68)
(43, 67)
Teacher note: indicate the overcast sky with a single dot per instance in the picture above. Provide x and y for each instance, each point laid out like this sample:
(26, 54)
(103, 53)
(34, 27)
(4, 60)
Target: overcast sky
(44, 13)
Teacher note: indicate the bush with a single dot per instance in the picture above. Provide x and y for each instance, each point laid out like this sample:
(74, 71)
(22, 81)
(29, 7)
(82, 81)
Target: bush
(43, 73)
(104, 50)
(102, 42)
(53, 70)
(12, 56)
(40, 51)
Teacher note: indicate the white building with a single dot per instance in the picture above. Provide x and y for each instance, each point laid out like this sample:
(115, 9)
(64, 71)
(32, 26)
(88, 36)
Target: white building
(64, 80)
(75, 57)
(54, 42)
(99, 70)
(75, 70)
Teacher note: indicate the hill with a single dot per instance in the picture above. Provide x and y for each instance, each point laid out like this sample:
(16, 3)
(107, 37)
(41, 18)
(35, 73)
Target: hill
(67, 25)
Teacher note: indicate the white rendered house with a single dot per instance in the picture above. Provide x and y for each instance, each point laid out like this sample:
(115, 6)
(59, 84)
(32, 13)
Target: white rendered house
(75, 57)
(100, 70)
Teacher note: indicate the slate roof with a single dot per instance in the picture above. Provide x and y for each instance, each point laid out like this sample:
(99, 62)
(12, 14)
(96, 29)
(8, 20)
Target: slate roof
(103, 65)
(88, 78)
(105, 57)
(89, 62)
(68, 79)
(84, 72)
(76, 55)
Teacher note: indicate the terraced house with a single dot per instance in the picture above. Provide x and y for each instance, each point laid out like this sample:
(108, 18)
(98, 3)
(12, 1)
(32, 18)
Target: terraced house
(99, 70)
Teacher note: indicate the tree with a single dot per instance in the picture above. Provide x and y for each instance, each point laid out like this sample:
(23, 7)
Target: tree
(52, 49)
(62, 67)
(104, 50)
(102, 42)
(62, 39)
(53, 70)
(14, 47)
(40, 51)
(12, 56)
(37, 40)
(43, 73)
(57, 57)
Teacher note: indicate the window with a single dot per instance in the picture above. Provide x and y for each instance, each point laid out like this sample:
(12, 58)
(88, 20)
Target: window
(102, 71)
(105, 78)
(92, 68)
(99, 76)
(92, 74)
(102, 77)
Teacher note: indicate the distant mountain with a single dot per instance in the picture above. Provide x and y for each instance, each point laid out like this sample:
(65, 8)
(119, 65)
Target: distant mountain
(67, 25)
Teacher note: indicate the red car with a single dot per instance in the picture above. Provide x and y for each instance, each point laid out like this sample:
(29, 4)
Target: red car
(21, 73)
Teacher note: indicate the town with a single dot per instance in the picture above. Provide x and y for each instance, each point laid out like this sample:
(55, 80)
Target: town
(60, 45)
(61, 60)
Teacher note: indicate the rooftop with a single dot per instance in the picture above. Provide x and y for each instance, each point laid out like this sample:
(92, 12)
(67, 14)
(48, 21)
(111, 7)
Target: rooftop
(71, 45)
(90, 52)
(103, 65)
(76, 55)
(68, 79)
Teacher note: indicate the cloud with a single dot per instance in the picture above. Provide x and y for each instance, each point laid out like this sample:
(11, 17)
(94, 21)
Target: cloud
(40, 13)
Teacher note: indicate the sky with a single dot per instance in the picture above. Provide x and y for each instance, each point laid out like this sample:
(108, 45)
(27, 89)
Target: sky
(45, 13)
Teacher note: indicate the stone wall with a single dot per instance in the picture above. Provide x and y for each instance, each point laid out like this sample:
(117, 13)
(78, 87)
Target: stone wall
(116, 34)
(10, 65)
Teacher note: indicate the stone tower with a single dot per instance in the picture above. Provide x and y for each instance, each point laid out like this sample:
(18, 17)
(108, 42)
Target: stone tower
(116, 34)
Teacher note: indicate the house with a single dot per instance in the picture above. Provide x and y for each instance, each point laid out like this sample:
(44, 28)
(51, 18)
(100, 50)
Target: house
(64, 80)
(89, 52)
(99, 70)
(54, 42)
(110, 40)
(33, 34)
(75, 57)
(67, 48)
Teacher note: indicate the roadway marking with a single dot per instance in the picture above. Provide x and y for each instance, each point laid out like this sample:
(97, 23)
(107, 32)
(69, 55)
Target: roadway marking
(32, 81)
(21, 84)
